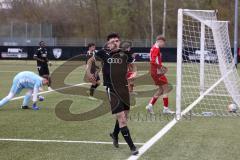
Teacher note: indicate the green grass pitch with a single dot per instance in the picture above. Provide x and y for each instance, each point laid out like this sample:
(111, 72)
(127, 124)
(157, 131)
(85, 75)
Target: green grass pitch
(197, 138)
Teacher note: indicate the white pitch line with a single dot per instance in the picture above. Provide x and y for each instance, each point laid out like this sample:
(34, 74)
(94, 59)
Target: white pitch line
(80, 84)
(8, 71)
(34, 72)
(153, 140)
(59, 141)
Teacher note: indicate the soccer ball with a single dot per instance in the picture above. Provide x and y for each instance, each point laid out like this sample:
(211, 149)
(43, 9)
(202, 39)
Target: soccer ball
(232, 108)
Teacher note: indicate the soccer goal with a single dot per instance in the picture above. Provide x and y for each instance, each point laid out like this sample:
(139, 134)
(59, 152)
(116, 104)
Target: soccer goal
(207, 80)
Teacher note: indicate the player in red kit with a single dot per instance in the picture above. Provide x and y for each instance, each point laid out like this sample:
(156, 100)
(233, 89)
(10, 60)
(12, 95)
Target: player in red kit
(158, 75)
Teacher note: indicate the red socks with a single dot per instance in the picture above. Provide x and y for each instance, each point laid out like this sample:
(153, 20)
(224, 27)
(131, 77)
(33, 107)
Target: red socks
(153, 100)
(165, 102)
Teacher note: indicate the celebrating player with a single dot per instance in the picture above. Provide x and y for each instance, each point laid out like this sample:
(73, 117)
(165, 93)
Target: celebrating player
(43, 62)
(26, 80)
(115, 63)
(94, 69)
(157, 73)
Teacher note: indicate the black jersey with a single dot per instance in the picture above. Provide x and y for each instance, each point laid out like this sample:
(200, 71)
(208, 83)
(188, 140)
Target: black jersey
(114, 67)
(41, 53)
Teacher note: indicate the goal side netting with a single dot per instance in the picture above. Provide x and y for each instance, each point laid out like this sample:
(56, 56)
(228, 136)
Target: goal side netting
(207, 80)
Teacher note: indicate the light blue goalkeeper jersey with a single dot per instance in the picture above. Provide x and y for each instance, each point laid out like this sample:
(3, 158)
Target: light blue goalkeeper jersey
(26, 79)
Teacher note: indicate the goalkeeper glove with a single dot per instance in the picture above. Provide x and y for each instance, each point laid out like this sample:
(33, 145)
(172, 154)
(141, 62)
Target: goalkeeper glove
(40, 98)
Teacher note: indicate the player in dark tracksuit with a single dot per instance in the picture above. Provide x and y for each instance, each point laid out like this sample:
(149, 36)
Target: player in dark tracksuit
(42, 62)
(115, 63)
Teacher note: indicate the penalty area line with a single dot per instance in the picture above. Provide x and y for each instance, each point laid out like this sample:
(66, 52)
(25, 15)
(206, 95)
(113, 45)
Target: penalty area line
(45, 92)
(59, 141)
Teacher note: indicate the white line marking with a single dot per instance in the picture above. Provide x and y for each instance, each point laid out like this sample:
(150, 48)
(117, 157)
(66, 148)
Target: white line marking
(80, 84)
(59, 141)
(8, 71)
(35, 72)
(154, 139)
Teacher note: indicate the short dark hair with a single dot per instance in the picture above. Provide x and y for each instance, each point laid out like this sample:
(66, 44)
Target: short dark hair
(160, 37)
(113, 35)
(90, 45)
(40, 43)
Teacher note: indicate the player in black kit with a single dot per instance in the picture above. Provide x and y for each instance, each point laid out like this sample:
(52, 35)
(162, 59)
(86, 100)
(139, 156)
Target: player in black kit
(94, 69)
(43, 62)
(115, 62)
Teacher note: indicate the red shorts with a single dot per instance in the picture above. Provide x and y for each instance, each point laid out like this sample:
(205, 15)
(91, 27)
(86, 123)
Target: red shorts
(158, 79)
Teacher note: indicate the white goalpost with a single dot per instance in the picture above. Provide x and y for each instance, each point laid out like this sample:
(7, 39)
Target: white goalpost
(207, 80)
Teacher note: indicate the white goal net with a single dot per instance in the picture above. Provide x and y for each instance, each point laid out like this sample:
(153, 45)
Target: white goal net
(207, 80)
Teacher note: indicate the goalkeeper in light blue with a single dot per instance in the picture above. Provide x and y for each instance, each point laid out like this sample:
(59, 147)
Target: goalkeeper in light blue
(26, 80)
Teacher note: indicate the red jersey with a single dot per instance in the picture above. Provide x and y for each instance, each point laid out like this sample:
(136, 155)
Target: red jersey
(156, 64)
(155, 56)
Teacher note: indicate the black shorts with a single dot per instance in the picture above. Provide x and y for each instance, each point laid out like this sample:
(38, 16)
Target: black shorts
(118, 104)
(43, 70)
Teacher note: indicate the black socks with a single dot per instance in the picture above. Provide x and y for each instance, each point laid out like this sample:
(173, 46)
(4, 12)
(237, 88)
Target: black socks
(127, 137)
(92, 89)
(116, 129)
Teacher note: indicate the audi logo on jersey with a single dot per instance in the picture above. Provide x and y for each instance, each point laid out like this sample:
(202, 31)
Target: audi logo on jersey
(114, 60)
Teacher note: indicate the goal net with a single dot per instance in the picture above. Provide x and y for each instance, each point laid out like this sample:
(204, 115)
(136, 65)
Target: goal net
(207, 80)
